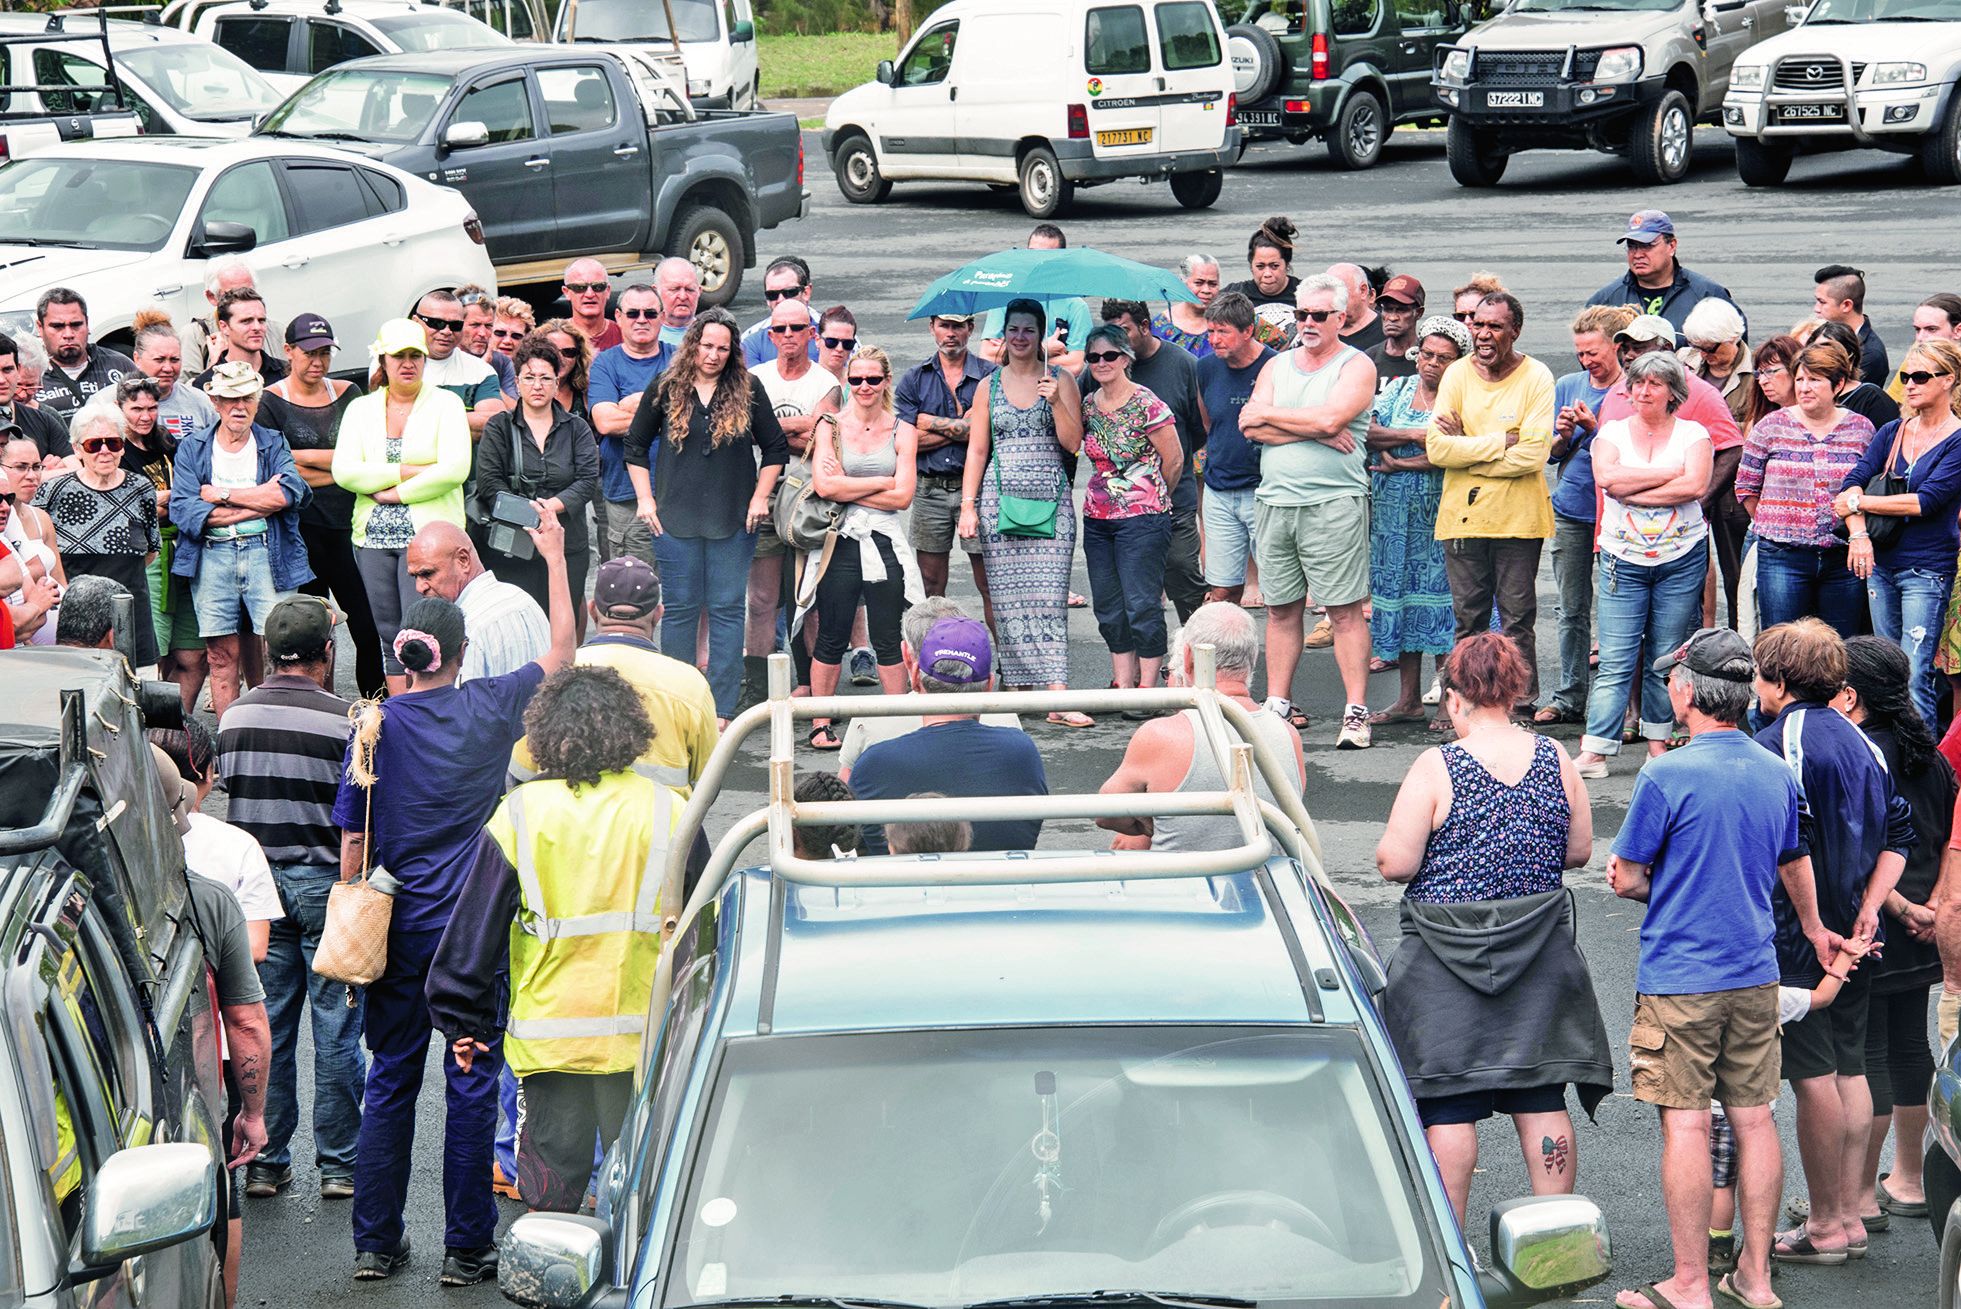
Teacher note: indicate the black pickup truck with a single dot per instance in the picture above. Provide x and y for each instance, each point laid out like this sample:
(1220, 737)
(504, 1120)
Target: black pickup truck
(567, 152)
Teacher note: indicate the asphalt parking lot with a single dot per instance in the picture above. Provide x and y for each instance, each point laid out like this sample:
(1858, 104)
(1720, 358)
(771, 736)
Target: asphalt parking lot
(1548, 232)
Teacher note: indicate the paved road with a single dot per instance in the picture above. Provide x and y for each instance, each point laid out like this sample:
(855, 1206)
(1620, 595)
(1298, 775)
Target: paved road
(1549, 233)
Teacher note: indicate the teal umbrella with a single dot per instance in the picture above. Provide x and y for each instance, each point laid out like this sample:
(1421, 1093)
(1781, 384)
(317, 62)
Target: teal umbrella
(1045, 275)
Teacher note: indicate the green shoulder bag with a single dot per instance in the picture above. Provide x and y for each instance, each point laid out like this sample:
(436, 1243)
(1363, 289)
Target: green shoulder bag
(1023, 516)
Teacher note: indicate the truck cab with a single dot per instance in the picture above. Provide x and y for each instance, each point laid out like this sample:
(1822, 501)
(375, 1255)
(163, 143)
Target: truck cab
(716, 39)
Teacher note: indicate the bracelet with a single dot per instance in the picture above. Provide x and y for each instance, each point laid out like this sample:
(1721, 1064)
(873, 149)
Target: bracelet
(1860, 536)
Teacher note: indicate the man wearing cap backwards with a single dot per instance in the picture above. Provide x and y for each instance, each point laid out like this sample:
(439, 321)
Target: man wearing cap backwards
(235, 496)
(934, 397)
(1705, 844)
(280, 747)
(1655, 281)
(956, 657)
(1401, 308)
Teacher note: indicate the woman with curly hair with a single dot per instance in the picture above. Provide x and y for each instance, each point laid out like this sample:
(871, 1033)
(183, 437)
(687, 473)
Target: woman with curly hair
(692, 453)
(575, 364)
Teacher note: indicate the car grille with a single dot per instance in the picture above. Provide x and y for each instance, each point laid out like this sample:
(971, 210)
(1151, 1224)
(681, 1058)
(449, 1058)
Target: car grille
(1813, 75)
(1532, 67)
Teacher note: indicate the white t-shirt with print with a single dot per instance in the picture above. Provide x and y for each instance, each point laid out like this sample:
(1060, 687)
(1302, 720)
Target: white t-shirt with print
(228, 855)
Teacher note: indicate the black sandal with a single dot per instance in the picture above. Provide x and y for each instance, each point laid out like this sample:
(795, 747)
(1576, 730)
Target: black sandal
(830, 741)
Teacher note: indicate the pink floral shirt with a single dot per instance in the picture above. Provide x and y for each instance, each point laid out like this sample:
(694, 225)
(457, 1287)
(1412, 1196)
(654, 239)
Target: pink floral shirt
(1126, 477)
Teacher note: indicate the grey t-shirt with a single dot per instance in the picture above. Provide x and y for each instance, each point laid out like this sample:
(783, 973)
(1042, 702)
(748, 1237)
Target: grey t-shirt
(221, 925)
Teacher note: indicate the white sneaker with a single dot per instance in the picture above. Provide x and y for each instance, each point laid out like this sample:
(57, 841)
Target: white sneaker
(1435, 695)
(1591, 772)
(1355, 731)
(1281, 707)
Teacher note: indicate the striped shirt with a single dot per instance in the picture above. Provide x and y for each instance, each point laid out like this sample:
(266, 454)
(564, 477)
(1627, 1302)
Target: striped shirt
(1795, 476)
(280, 749)
(505, 627)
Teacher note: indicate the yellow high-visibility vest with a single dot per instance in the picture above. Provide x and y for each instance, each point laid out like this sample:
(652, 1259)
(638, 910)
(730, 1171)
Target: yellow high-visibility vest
(587, 935)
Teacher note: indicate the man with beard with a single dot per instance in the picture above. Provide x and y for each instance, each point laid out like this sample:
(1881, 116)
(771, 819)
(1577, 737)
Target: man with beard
(76, 369)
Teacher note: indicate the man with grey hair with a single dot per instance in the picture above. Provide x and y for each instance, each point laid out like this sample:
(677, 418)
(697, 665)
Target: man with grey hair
(1166, 756)
(913, 627)
(679, 285)
(1310, 410)
(201, 341)
(88, 613)
(946, 836)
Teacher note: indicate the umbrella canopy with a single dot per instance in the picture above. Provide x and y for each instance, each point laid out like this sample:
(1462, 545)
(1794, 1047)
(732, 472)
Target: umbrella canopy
(991, 282)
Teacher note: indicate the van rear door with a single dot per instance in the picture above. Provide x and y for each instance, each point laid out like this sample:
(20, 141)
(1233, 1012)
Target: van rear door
(1196, 78)
(1121, 80)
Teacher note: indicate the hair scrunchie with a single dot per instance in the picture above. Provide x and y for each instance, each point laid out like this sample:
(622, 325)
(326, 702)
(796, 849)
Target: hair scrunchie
(408, 634)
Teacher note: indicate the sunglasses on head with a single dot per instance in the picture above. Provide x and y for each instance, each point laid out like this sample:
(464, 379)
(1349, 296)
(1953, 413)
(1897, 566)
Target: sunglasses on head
(586, 288)
(774, 296)
(1103, 356)
(440, 324)
(839, 342)
(785, 329)
(113, 444)
(1318, 315)
(637, 314)
(876, 379)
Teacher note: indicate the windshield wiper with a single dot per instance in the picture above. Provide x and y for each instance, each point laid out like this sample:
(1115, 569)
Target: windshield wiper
(47, 241)
(800, 1301)
(1166, 1299)
(325, 136)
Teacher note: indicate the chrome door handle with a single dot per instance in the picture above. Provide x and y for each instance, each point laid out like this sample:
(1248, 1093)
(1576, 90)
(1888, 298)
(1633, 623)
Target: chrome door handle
(1749, 22)
(393, 238)
(296, 261)
(626, 151)
(162, 291)
(539, 162)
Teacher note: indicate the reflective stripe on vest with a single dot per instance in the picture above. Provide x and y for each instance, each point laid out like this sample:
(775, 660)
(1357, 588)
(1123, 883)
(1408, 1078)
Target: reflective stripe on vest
(644, 917)
(547, 1029)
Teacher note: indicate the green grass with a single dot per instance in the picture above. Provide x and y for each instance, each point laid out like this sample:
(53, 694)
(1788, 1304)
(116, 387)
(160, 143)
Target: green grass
(798, 66)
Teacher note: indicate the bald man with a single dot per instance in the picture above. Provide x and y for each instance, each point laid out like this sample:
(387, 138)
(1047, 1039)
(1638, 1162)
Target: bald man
(504, 629)
(587, 289)
(1362, 328)
(680, 295)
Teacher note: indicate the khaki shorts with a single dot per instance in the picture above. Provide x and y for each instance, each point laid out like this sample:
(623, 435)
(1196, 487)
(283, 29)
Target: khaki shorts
(936, 517)
(1320, 550)
(1688, 1049)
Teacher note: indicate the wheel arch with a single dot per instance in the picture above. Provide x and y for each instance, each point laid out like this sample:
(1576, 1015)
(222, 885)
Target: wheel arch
(1027, 143)
(1366, 77)
(727, 195)
(1681, 77)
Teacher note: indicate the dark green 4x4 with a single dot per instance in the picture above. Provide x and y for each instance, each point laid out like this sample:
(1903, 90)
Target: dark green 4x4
(1344, 72)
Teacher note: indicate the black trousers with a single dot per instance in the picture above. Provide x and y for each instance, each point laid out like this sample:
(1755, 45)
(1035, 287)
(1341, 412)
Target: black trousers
(839, 592)
(330, 552)
(1728, 525)
(1184, 576)
(559, 1116)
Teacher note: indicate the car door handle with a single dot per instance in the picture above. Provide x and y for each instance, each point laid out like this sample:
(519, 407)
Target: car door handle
(1749, 22)
(392, 238)
(295, 261)
(953, 93)
(626, 151)
(162, 291)
(537, 163)
(1409, 47)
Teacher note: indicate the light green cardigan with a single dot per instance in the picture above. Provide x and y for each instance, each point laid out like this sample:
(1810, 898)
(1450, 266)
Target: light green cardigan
(437, 433)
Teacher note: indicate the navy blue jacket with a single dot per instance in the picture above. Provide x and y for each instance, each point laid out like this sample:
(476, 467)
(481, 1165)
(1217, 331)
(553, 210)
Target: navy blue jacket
(1690, 289)
(189, 511)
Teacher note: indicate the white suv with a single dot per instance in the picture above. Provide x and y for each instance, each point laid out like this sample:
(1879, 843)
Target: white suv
(290, 40)
(1857, 74)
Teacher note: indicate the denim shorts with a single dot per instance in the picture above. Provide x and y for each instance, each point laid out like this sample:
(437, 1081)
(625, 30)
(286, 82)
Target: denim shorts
(1227, 517)
(234, 578)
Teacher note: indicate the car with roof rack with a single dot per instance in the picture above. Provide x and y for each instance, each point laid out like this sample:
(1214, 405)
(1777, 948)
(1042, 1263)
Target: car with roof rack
(289, 41)
(1024, 1078)
(1852, 75)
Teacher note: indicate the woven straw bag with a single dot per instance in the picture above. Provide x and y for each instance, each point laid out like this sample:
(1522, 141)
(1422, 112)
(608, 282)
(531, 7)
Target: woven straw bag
(354, 939)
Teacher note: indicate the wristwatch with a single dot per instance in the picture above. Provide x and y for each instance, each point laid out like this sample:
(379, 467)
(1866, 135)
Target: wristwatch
(1858, 497)
(224, 495)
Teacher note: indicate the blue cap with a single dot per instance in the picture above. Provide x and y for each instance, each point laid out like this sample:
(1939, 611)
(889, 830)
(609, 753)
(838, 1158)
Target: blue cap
(957, 641)
(1647, 227)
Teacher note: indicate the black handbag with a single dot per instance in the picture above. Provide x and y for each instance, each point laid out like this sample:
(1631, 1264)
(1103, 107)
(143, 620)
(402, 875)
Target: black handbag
(1885, 530)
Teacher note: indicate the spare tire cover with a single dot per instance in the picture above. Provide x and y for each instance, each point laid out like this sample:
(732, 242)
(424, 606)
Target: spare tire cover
(1258, 63)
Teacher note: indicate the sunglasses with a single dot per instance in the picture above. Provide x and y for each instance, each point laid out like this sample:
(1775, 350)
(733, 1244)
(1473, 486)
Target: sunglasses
(786, 293)
(9, 498)
(508, 333)
(1918, 378)
(1103, 356)
(1318, 315)
(786, 329)
(838, 342)
(113, 444)
(1704, 347)
(1465, 318)
(587, 288)
(638, 314)
(570, 354)
(876, 380)
(441, 324)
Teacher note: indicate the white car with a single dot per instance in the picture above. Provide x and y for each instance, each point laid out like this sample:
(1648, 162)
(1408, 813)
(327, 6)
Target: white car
(716, 40)
(1857, 74)
(134, 223)
(290, 40)
(178, 84)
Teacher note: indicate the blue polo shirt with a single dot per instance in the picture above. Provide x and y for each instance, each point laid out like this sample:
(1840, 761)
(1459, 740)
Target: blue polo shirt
(1573, 497)
(1232, 463)
(616, 375)
(923, 390)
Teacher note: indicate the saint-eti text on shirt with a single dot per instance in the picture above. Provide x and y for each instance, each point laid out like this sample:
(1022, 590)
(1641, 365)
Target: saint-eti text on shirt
(1312, 472)
(236, 470)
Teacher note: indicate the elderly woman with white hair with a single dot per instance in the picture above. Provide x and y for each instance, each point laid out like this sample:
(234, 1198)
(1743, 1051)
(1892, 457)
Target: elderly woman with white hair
(105, 518)
(1184, 324)
(1718, 354)
(1652, 470)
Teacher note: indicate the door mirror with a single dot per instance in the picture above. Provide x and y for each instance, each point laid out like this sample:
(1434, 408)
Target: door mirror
(148, 1198)
(1794, 14)
(885, 73)
(743, 32)
(1544, 1248)
(1369, 968)
(222, 238)
(462, 135)
(552, 1261)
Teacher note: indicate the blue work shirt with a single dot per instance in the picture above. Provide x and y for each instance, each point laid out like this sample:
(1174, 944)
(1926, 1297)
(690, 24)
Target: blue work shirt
(1573, 497)
(616, 375)
(923, 390)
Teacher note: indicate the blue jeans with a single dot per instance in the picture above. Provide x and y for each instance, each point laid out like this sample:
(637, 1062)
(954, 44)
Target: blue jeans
(1646, 610)
(1909, 606)
(398, 1042)
(1572, 572)
(339, 1068)
(234, 578)
(1126, 558)
(699, 573)
(1794, 581)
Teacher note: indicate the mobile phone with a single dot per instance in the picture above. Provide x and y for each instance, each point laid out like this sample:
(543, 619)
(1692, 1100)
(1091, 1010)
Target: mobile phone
(1062, 327)
(515, 510)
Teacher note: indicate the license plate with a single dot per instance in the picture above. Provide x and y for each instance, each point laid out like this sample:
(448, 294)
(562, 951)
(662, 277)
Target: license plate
(1810, 113)
(1125, 136)
(1515, 99)
(1259, 117)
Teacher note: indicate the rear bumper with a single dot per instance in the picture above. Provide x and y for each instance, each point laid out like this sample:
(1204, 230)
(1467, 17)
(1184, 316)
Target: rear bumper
(1311, 113)
(1080, 163)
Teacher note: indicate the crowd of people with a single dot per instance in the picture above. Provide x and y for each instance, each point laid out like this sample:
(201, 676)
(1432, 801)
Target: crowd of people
(560, 554)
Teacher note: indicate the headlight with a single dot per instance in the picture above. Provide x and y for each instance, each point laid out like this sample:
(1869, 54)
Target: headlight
(1457, 65)
(1621, 64)
(698, 90)
(1747, 77)
(1898, 74)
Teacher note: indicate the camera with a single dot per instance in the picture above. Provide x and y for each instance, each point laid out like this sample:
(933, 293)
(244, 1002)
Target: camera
(509, 516)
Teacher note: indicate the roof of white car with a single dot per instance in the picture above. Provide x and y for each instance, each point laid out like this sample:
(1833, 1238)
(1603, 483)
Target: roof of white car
(121, 32)
(351, 8)
(202, 151)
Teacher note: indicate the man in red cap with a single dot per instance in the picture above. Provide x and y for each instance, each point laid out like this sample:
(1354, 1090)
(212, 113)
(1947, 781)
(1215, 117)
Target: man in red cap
(1400, 306)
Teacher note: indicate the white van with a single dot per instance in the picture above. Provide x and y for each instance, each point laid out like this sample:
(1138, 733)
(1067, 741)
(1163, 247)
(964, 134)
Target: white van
(1045, 95)
(716, 39)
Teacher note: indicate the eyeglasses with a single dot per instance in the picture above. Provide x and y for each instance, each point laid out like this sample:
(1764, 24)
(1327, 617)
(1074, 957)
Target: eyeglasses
(1465, 318)
(508, 333)
(1318, 315)
(1103, 356)
(878, 380)
(113, 444)
(1434, 357)
(774, 296)
(24, 466)
(587, 288)
(1770, 370)
(441, 324)
(838, 342)
(638, 314)
(538, 379)
(1918, 378)
(786, 329)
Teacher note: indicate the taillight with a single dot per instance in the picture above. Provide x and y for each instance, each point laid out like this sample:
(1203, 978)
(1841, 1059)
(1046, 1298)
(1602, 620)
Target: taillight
(473, 228)
(1078, 123)
(1232, 109)
(5, 154)
(800, 159)
(1318, 58)
(1297, 106)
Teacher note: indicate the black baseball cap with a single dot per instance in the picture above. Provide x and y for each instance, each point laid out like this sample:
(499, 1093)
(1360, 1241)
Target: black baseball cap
(1713, 652)
(299, 627)
(627, 587)
(310, 332)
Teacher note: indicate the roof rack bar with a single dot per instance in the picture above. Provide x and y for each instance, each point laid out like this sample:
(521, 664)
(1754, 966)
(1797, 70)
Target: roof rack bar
(68, 787)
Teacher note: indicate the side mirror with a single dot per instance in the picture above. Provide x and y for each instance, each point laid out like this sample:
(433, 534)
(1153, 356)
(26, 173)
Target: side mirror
(1544, 1248)
(462, 135)
(553, 1261)
(1794, 14)
(1369, 968)
(147, 1198)
(222, 238)
(885, 72)
(744, 31)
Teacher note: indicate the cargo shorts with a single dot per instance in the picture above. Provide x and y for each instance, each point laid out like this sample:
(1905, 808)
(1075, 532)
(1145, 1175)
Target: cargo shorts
(1686, 1050)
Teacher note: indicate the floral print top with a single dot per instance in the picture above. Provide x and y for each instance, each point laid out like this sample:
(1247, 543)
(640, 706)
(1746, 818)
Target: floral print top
(1126, 477)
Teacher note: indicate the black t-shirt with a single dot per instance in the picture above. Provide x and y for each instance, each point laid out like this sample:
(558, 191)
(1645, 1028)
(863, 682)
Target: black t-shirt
(271, 369)
(61, 395)
(1872, 403)
(1389, 365)
(703, 489)
(48, 433)
(313, 427)
(1276, 311)
(1365, 338)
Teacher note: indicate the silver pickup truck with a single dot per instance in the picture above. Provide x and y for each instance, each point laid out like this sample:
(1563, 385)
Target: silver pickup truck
(1627, 77)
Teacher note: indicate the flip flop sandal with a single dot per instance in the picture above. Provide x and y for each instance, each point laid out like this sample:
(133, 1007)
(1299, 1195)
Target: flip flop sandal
(1552, 714)
(1795, 1247)
(1652, 1294)
(1857, 1249)
(1442, 725)
(1382, 665)
(1386, 716)
(1726, 1287)
(829, 739)
(1879, 1222)
(1904, 1208)
(1072, 719)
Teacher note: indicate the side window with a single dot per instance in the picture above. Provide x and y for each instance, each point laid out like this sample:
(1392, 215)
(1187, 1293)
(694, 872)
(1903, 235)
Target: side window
(324, 196)
(576, 99)
(389, 197)
(1356, 17)
(503, 107)
(931, 58)
(1415, 15)
(260, 42)
(1114, 41)
(328, 44)
(1187, 37)
(248, 194)
(56, 68)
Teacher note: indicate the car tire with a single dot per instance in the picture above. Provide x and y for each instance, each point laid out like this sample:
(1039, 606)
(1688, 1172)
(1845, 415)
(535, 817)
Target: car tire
(1662, 140)
(858, 176)
(710, 240)
(1045, 192)
(1259, 64)
(1940, 149)
(1763, 163)
(1475, 158)
(1198, 190)
(1949, 1294)
(1943, 1184)
(1360, 132)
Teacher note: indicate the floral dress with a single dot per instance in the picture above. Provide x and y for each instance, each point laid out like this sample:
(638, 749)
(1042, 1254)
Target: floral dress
(1126, 475)
(1409, 593)
(1196, 344)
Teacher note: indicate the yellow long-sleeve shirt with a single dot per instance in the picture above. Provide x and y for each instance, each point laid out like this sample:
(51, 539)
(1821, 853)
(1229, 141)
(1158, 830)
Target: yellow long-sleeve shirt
(1492, 490)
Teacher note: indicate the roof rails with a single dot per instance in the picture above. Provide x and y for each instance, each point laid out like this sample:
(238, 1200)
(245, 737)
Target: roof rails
(57, 31)
(151, 14)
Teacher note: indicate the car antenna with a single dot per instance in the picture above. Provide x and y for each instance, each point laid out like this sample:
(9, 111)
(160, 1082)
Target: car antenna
(333, 7)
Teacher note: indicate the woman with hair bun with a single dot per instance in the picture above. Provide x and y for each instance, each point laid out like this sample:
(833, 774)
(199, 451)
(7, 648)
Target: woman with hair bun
(424, 772)
(1489, 1002)
(1270, 260)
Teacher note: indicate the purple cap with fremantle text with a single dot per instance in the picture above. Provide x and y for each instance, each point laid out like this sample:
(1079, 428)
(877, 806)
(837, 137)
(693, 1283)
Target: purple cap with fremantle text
(953, 642)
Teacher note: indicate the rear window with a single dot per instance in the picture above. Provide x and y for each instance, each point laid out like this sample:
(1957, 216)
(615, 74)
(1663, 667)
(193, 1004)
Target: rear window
(260, 42)
(1356, 17)
(1186, 36)
(1115, 41)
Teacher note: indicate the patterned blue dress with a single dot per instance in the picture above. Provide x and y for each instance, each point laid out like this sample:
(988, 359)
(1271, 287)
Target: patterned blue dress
(1027, 577)
(1498, 842)
(1409, 594)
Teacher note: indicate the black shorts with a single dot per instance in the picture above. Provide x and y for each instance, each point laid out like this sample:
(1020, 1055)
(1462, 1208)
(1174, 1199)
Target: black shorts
(1831, 1040)
(1476, 1106)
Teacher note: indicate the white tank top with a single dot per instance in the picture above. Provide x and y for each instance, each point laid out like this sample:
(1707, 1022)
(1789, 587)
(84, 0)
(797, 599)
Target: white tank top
(1643, 534)
(1217, 831)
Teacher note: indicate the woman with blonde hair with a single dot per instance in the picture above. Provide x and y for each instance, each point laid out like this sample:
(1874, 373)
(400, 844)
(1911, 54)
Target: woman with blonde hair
(1464, 301)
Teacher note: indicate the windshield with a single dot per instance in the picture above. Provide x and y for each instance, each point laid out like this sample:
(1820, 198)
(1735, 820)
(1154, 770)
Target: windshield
(950, 1168)
(1584, 6)
(201, 81)
(437, 29)
(636, 20)
(362, 104)
(109, 204)
(1885, 11)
